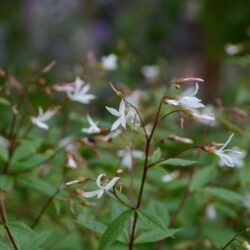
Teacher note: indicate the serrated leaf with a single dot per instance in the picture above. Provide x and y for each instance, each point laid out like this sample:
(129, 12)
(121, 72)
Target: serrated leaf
(178, 162)
(6, 182)
(225, 195)
(152, 221)
(155, 235)
(114, 230)
(202, 177)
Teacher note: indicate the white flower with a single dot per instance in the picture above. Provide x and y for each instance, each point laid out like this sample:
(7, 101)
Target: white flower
(103, 186)
(80, 92)
(120, 114)
(233, 49)
(133, 99)
(167, 178)
(128, 155)
(150, 72)
(230, 157)
(211, 212)
(4, 142)
(93, 127)
(109, 62)
(71, 162)
(206, 116)
(42, 117)
(237, 157)
(111, 135)
(187, 99)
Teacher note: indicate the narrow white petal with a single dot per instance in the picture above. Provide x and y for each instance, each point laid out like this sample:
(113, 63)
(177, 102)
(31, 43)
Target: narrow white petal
(91, 194)
(228, 141)
(101, 192)
(116, 124)
(122, 107)
(123, 121)
(98, 180)
(41, 125)
(173, 102)
(113, 111)
(111, 183)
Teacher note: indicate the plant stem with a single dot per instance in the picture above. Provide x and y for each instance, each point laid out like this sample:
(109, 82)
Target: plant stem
(144, 176)
(5, 221)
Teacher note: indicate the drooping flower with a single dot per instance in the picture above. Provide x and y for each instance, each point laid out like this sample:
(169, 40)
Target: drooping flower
(93, 127)
(150, 72)
(127, 156)
(80, 92)
(103, 186)
(121, 114)
(42, 117)
(109, 62)
(187, 99)
(229, 157)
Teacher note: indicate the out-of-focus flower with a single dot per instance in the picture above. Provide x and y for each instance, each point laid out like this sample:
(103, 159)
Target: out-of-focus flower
(127, 156)
(71, 162)
(120, 114)
(80, 92)
(167, 178)
(93, 127)
(64, 87)
(150, 72)
(180, 139)
(4, 142)
(211, 212)
(133, 99)
(205, 116)
(103, 185)
(187, 99)
(42, 117)
(111, 135)
(109, 62)
(245, 244)
(230, 157)
(237, 155)
(233, 49)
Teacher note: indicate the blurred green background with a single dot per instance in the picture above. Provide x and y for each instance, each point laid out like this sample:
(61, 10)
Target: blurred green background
(205, 38)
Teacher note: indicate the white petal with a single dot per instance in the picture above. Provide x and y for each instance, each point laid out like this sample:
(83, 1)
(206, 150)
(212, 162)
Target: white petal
(173, 102)
(111, 183)
(228, 141)
(98, 180)
(192, 102)
(92, 193)
(101, 192)
(123, 121)
(122, 107)
(113, 111)
(116, 124)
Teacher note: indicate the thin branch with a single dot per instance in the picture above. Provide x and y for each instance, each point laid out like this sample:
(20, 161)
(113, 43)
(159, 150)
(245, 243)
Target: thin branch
(5, 221)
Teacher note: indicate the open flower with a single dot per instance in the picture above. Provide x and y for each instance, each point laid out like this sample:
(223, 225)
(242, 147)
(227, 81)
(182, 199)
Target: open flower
(150, 72)
(206, 116)
(103, 186)
(42, 117)
(120, 114)
(109, 62)
(127, 156)
(80, 92)
(230, 157)
(93, 127)
(187, 99)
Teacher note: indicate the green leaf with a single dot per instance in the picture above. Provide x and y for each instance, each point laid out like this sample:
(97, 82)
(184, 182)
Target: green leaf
(36, 240)
(92, 224)
(29, 163)
(178, 162)
(202, 177)
(4, 101)
(155, 235)
(156, 156)
(4, 246)
(20, 231)
(114, 230)
(225, 195)
(37, 184)
(3, 153)
(6, 182)
(152, 221)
